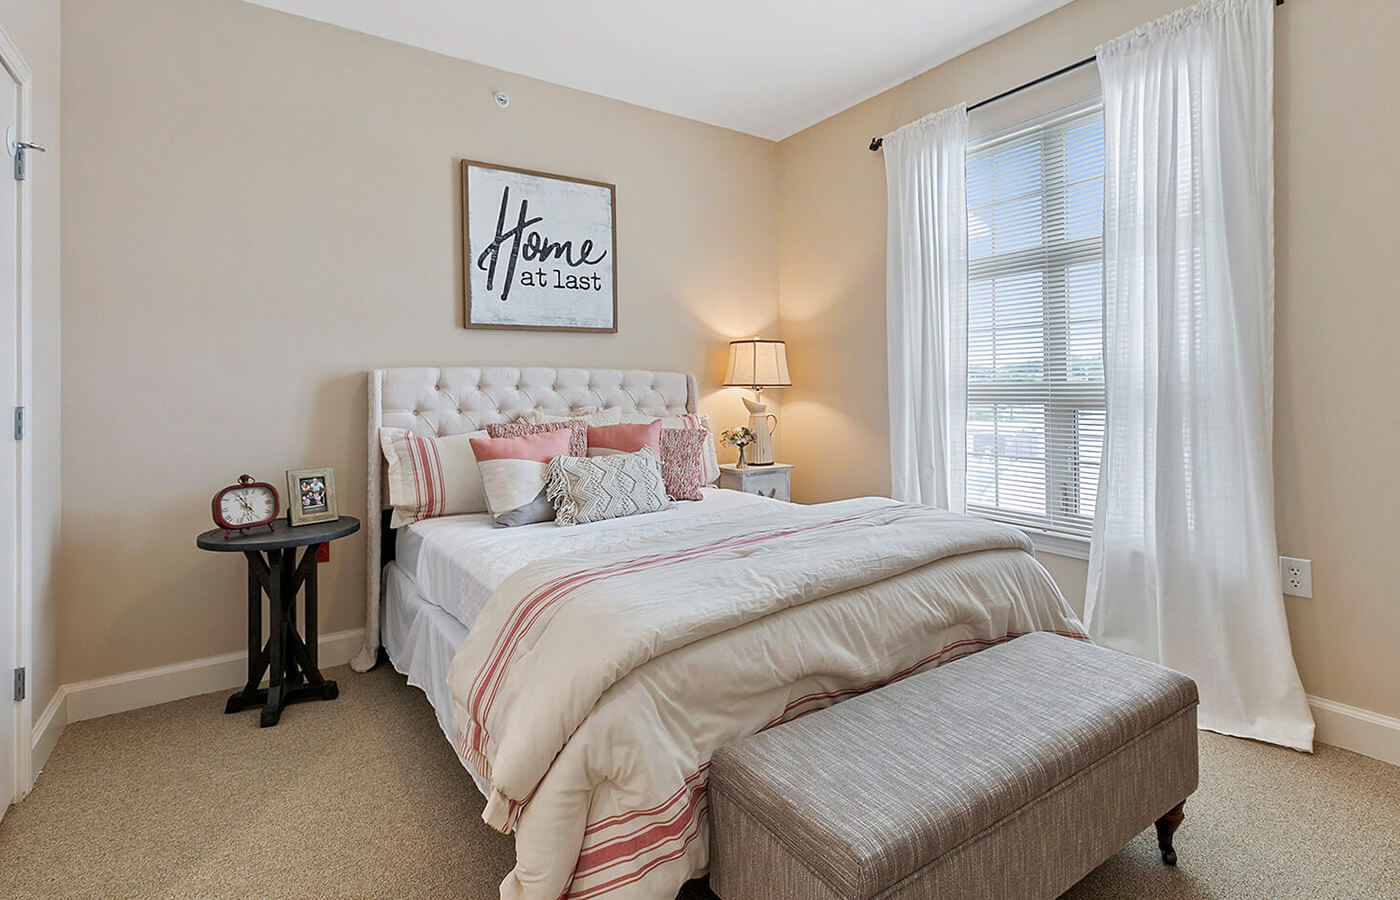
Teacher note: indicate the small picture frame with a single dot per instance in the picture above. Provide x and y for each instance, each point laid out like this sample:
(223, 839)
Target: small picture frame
(311, 496)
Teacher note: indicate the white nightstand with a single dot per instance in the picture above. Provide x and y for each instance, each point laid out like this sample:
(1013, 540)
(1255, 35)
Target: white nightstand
(766, 481)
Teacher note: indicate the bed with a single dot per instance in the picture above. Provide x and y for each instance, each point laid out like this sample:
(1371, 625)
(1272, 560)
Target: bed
(584, 675)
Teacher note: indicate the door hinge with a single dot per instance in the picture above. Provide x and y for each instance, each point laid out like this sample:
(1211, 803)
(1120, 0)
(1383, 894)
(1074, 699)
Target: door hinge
(19, 684)
(19, 423)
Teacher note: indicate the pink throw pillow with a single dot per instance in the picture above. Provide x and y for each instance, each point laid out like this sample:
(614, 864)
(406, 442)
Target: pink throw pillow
(515, 474)
(578, 443)
(683, 462)
(606, 439)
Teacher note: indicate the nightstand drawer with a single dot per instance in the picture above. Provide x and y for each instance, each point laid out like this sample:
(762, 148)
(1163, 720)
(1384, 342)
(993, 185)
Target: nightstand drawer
(769, 484)
(766, 481)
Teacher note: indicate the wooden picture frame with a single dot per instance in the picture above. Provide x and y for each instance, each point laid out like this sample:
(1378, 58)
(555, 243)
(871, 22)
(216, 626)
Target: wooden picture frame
(551, 271)
(305, 487)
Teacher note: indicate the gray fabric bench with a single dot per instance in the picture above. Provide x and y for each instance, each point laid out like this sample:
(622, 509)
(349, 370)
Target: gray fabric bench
(1010, 773)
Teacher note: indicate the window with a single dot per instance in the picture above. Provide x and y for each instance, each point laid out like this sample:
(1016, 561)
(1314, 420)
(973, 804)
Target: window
(1035, 391)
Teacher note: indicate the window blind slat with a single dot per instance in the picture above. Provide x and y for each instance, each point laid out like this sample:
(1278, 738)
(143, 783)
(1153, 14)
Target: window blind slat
(1035, 413)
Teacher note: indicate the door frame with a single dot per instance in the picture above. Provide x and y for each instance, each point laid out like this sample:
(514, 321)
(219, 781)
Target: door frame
(18, 69)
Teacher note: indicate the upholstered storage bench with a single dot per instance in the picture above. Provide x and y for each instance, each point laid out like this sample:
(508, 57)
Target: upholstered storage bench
(1011, 773)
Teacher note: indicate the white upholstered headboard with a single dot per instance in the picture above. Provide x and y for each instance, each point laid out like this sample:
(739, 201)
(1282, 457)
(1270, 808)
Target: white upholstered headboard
(438, 401)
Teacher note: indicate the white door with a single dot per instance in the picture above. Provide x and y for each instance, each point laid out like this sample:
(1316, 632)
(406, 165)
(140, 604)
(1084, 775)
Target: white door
(10, 473)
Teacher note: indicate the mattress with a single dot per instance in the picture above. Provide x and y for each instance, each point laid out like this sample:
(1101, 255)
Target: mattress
(457, 562)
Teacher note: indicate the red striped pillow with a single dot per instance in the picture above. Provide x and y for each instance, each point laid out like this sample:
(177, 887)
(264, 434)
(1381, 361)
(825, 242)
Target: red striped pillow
(431, 476)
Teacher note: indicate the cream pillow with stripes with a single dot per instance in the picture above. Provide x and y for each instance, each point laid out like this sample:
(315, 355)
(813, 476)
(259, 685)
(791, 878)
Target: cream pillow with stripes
(431, 476)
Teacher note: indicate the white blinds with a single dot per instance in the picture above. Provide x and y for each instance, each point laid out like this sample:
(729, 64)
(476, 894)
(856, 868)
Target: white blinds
(1035, 391)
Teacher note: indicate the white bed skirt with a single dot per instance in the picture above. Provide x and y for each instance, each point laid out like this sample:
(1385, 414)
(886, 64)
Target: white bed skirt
(421, 639)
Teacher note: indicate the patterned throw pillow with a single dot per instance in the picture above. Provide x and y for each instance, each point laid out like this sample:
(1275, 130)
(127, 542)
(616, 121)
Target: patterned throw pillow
(578, 443)
(431, 476)
(606, 487)
(515, 474)
(683, 462)
(610, 439)
(591, 415)
(688, 421)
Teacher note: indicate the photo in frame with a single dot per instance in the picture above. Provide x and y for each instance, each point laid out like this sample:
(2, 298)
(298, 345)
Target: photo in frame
(311, 496)
(540, 250)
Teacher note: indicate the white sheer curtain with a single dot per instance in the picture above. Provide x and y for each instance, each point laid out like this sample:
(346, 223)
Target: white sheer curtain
(926, 296)
(1184, 564)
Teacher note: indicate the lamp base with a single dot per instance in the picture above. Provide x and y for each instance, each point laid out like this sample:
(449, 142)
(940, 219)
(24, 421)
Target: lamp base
(761, 423)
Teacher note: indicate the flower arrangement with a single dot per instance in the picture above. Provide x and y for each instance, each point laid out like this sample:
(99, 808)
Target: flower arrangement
(739, 438)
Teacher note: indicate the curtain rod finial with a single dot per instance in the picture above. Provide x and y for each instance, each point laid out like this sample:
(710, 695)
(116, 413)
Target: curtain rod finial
(876, 144)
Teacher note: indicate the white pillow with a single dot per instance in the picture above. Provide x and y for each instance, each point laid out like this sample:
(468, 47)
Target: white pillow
(689, 421)
(590, 415)
(591, 489)
(431, 476)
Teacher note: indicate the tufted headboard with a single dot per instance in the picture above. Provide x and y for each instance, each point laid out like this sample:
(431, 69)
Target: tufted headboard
(433, 401)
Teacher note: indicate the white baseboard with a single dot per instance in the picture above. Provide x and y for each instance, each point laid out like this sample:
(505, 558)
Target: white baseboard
(1349, 727)
(1355, 729)
(147, 687)
(46, 732)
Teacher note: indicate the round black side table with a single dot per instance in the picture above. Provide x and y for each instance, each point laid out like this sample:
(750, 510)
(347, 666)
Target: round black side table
(288, 660)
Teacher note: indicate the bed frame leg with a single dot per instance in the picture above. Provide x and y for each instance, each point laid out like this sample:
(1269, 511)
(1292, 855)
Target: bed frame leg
(1166, 827)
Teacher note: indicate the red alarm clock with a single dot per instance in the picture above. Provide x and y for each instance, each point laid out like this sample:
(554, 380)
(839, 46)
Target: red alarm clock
(245, 505)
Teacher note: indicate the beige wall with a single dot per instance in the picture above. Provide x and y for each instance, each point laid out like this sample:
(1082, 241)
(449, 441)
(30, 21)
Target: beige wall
(1337, 310)
(241, 179)
(262, 207)
(33, 26)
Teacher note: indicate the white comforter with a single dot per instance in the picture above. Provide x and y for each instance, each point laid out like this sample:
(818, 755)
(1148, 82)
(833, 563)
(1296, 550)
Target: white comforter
(593, 689)
(458, 562)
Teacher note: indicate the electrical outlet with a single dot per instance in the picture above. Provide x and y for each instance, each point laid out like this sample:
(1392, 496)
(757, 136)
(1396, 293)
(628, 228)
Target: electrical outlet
(1297, 576)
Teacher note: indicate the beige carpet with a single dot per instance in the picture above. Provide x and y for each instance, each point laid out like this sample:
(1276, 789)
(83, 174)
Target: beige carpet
(362, 797)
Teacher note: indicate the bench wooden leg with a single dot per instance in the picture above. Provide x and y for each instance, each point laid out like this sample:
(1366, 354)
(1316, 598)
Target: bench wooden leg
(1166, 827)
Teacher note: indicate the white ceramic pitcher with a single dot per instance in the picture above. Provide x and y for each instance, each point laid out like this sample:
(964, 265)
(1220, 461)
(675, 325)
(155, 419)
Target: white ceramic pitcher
(761, 423)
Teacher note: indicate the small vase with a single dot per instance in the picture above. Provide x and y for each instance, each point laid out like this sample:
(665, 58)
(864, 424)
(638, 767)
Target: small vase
(742, 463)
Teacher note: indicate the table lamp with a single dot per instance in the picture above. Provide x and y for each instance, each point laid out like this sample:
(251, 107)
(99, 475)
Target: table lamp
(757, 364)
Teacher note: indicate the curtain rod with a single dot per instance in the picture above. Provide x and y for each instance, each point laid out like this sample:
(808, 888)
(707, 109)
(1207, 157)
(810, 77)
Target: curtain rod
(877, 143)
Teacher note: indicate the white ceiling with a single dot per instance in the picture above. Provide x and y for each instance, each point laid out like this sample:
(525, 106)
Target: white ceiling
(765, 67)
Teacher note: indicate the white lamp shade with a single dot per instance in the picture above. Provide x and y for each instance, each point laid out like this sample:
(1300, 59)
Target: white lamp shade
(757, 364)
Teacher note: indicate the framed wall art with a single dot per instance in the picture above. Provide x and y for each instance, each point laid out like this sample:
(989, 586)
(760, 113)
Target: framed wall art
(540, 250)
